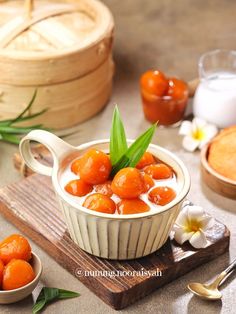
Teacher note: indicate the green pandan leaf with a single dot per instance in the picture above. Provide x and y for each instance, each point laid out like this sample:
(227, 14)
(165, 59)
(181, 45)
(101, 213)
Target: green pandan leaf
(65, 294)
(26, 109)
(118, 143)
(11, 133)
(135, 151)
(48, 295)
(139, 146)
(34, 115)
(18, 130)
(39, 305)
(10, 138)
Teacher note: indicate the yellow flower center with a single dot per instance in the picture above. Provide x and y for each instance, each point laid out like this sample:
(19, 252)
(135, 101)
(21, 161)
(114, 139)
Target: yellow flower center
(193, 226)
(198, 134)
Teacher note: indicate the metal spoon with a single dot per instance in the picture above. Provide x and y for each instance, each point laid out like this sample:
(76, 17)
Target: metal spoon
(210, 291)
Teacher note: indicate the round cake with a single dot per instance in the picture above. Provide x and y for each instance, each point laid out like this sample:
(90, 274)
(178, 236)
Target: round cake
(222, 153)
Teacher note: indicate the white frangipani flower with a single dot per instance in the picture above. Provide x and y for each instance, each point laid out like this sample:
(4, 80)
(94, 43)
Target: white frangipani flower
(196, 133)
(191, 224)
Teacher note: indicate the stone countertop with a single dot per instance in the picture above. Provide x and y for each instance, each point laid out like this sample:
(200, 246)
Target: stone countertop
(169, 35)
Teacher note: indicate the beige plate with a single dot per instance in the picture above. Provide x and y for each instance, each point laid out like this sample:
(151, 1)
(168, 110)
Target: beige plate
(214, 180)
(15, 295)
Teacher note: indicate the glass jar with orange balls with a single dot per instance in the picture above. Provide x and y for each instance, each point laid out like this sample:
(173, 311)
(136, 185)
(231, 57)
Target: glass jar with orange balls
(164, 99)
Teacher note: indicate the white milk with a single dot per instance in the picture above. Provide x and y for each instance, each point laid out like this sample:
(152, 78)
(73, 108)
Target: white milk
(215, 99)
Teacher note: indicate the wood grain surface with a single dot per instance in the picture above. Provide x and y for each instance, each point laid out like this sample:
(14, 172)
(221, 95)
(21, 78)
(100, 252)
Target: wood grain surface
(32, 207)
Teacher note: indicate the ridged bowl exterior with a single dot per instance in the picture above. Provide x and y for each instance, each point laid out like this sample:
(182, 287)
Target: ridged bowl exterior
(116, 238)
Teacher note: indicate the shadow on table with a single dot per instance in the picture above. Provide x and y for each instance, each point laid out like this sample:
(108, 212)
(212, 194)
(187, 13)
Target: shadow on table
(210, 306)
(178, 289)
(18, 306)
(218, 200)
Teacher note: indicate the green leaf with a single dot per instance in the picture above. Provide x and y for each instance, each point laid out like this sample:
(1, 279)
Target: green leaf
(135, 151)
(17, 130)
(29, 117)
(118, 143)
(38, 306)
(65, 294)
(48, 295)
(8, 130)
(10, 138)
(138, 148)
(26, 109)
(122, 163)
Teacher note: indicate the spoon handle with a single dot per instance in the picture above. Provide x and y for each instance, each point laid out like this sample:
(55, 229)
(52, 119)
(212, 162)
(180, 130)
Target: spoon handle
(231, 267)
(224, 273)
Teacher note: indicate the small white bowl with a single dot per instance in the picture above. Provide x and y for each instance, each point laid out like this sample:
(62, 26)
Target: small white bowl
(110, 236)
(12, 296)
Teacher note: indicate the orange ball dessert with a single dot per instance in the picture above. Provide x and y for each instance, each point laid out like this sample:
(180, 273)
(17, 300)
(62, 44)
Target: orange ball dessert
(93, 167)
(132, 206)
(178, 89)
(76, 165)
(148, 182)
(154, 82)
(17, 273)
(128, 192)
(1, 272)
(100, 203)
(164, 99)
(104, 188)
(15, 246)
(161, 195)
(78, 187)
(159, 171)
(147, 159)
(128, 183)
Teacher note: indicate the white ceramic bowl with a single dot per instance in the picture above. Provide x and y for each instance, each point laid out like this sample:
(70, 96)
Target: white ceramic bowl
(110, 236)
(12, 296)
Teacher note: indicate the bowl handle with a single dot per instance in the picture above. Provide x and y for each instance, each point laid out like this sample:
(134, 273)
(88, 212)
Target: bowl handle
(54, 144)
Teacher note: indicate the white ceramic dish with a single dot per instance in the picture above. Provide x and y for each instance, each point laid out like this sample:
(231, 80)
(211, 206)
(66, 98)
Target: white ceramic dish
(106, 235)
(12, 296)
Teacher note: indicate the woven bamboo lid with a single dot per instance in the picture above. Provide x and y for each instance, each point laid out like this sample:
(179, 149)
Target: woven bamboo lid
(48, 36)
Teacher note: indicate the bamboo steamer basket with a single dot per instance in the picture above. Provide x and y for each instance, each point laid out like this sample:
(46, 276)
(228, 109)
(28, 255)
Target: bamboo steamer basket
(62, 48)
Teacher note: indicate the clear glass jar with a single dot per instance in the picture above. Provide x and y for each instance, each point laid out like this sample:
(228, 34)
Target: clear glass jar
(164, 109)
(215, 97)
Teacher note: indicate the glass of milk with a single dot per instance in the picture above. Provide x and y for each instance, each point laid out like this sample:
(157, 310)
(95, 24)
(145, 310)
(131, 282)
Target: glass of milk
(215, 97)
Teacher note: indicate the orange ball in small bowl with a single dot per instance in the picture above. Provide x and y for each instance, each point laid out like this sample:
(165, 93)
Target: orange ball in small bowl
(17, 273)
(14, 246)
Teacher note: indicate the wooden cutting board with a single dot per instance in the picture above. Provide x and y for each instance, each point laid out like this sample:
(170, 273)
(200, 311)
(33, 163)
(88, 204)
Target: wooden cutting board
(32, 207)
